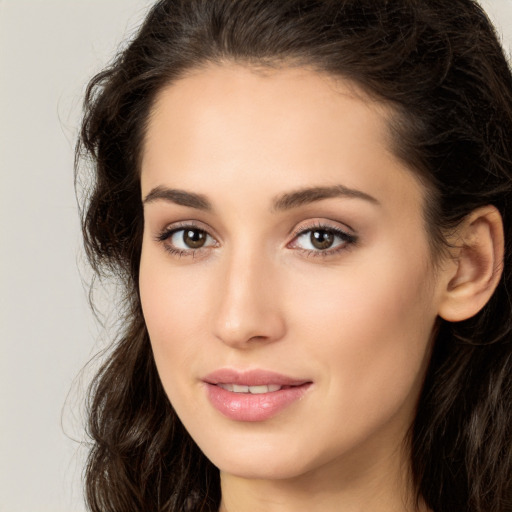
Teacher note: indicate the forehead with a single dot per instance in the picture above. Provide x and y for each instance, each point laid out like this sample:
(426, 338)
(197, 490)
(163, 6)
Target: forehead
(275, 129)
(258, 104)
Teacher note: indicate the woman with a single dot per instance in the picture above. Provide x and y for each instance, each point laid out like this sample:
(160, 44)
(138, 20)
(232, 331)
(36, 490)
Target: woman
(308, 203)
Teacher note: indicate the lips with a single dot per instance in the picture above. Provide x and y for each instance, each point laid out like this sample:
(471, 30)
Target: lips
(255, 395)
(252, 378)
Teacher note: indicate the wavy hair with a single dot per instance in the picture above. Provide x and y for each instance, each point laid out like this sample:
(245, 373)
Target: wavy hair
(440, 66)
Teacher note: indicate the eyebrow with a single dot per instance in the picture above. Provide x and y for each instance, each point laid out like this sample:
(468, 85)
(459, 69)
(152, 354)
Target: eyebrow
(304, 196)
(283, 202)
(180, 197)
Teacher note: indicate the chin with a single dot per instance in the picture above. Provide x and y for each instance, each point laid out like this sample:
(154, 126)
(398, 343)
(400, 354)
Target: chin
(264, 460)
(269, 469)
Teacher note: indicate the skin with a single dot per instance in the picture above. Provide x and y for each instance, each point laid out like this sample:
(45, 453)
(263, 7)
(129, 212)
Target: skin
(357, 321)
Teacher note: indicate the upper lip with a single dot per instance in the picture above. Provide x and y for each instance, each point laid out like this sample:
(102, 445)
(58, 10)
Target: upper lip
(257, 377)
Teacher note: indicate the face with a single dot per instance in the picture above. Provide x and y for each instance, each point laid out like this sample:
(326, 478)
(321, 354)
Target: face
(286, 279)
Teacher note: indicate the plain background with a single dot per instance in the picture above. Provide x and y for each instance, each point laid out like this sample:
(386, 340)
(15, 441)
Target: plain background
(48, 51)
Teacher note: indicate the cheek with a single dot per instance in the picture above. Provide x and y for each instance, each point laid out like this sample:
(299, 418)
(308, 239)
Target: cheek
(371, 325)
(170, 307)
(364, 301)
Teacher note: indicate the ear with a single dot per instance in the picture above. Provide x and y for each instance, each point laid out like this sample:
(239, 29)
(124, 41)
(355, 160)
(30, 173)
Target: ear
(477, 265)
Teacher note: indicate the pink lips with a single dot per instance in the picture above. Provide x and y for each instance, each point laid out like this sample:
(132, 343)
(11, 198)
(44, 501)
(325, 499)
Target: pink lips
(256, 403)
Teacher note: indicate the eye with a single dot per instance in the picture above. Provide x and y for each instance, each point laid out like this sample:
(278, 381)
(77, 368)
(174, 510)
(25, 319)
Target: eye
(186, 240)
(323, 240)
(189, 238)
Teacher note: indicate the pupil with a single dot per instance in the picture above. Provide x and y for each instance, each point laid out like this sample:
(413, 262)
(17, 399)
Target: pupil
(322, 239)
(194, 238)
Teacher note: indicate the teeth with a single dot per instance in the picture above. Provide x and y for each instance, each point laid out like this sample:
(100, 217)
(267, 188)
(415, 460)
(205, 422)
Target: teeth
(254, 390)
(257, 390)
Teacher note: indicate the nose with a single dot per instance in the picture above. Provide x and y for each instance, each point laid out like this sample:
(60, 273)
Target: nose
(249, 312)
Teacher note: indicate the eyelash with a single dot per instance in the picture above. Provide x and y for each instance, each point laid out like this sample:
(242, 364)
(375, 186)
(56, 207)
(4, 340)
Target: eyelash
(346, 238)
(167, 233)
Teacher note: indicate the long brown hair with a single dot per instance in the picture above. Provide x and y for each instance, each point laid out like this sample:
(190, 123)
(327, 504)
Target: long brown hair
(440, 66)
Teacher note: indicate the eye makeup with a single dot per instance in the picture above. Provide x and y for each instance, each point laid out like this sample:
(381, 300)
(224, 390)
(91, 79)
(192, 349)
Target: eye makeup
(317, 239)
(321, 240)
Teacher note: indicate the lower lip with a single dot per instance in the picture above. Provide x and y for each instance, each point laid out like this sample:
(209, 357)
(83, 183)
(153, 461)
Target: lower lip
(257, 407)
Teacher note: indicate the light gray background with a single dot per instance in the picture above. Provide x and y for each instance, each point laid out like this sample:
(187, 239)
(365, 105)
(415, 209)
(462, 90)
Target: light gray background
(48, 51)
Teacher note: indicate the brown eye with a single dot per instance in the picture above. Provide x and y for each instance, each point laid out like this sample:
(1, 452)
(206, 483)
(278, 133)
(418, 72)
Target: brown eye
(194, 238)
(321, 239)
(186, 240)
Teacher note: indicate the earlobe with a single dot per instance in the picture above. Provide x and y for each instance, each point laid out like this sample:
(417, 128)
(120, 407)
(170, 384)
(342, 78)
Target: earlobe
(478, 261)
